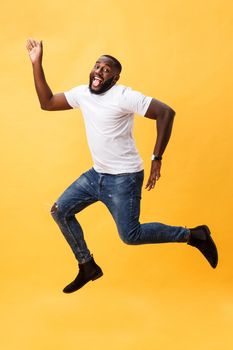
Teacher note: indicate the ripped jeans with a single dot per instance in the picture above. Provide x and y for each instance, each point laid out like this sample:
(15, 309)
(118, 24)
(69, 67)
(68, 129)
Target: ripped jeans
(121, 194)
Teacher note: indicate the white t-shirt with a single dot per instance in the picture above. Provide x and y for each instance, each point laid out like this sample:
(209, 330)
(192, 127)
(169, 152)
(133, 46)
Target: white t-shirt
(109, 124)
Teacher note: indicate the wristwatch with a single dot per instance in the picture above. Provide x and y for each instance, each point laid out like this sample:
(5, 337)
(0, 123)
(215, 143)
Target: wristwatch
(154, 157)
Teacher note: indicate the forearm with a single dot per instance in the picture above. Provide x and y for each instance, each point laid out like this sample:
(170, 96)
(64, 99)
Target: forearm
(43, 90)
(164, 116)
(164, 123)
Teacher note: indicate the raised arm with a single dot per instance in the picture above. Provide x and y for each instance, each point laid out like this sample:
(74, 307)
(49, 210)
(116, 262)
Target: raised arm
(48, 100)
(164, 116)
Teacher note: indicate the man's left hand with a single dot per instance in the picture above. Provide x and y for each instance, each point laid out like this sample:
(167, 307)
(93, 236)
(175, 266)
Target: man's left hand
(154, 174)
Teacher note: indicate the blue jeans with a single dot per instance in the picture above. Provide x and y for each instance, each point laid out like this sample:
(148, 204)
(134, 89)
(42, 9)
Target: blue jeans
(121, 194)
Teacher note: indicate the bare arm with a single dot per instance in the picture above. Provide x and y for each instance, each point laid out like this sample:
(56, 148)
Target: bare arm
(48, 100)
(164, 116)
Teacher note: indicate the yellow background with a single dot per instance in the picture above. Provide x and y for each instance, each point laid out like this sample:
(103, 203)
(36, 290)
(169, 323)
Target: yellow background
(151, 296)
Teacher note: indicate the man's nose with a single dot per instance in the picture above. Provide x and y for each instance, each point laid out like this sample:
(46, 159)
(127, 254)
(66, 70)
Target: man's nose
(98, 70)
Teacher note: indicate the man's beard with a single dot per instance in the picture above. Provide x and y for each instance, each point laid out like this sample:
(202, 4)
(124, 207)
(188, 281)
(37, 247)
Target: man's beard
(106, 86)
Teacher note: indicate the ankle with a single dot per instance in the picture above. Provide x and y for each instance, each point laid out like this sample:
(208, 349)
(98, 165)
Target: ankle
(188, 235)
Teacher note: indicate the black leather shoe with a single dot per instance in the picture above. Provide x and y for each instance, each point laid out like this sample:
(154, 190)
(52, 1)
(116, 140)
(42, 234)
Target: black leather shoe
(201, 239)
(88, 271)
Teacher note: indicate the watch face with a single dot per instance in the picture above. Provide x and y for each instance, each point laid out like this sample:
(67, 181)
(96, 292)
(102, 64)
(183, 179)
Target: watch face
(154, 157)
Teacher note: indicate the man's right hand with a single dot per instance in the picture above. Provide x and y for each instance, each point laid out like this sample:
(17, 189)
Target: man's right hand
(48, 101)
(35, 50)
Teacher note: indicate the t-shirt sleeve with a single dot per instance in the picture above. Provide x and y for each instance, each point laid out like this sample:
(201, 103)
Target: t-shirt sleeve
(72, 97)
(134, 101)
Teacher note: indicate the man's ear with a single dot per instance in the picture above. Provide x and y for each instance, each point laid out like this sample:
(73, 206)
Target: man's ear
(116, 78)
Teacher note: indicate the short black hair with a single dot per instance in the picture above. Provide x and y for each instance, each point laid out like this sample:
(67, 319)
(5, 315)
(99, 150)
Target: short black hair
(115, 62)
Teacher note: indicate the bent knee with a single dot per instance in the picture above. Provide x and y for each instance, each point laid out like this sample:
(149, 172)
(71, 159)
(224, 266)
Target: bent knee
(54, 208)
(130, 236)
(127, 239)
(59, 212)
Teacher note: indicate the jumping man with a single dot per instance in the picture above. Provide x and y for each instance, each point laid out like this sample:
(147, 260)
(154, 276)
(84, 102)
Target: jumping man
(117, 174)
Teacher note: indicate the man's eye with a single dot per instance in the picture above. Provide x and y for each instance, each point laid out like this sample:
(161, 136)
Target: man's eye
(106, 70)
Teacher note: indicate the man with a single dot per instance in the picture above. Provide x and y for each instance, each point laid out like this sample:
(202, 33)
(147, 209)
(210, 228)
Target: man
(117, 174)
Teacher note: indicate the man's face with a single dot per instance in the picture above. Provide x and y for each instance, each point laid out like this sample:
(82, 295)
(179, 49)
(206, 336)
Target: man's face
(103, 75)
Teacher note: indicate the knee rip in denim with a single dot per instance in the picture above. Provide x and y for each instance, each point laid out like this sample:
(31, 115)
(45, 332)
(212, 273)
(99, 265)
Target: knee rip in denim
(54, 208)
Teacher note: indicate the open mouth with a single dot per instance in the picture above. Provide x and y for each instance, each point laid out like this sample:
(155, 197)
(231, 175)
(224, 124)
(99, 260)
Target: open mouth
(96, 82)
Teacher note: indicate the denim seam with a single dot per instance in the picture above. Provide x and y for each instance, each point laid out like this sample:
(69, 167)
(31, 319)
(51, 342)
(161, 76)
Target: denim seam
(69, 229)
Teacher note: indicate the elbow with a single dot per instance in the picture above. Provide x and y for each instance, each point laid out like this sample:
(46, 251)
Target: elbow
(167, 114)
(45, 107)
(171, 113)
(46, 104)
